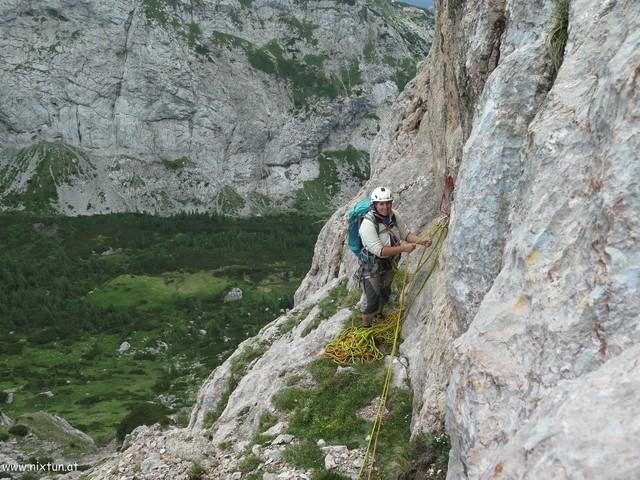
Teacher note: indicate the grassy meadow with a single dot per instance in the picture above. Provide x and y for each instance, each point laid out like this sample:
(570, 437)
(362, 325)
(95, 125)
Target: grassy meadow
(72, 290)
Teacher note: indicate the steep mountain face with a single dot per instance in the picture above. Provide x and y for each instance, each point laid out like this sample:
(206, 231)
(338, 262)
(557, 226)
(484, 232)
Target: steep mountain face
(524, 343)
(200, 105)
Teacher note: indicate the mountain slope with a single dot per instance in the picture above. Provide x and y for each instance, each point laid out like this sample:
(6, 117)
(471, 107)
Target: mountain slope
(201, 105)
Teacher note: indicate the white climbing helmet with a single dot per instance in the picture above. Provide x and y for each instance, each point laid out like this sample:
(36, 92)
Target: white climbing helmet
(381, 194)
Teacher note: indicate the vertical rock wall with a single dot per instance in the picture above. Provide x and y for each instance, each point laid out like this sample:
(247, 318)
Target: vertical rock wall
(556, 263)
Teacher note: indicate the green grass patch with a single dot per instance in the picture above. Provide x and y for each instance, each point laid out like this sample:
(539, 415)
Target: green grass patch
(294, 320)
(196, 472)
(307, 78)
(262, 60)
(47, 429)
(157, 11)
(56, 163)
(369, 52)
(329, 409)
(266, 421)
(305, 454)
(303, 29)
(177, 164)
(389, 60)
(559, 33)
(19, 430)
(318, 195)
(151, 292)
(168, 14)
(249, 463)
(315, 323)
(288, 399)
(142, 414)
(338, 297)
(356, 161)
(395, 447)
(218, 38)
(235, 18)
(225, 446)
(315, 60)
(294, 379)
(429, 453)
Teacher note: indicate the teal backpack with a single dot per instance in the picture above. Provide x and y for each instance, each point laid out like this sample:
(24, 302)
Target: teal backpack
(355, 216)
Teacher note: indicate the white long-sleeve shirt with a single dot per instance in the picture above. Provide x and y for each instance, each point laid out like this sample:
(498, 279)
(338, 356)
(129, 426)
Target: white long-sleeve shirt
(374, 241)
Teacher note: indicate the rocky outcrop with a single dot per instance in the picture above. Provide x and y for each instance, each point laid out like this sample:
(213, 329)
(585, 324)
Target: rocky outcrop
(279, 354)
(37, 439)
(230, 403)
(153, 453)
(166, 106)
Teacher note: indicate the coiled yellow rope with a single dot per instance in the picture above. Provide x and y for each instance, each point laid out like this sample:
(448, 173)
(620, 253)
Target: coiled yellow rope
(359, 345)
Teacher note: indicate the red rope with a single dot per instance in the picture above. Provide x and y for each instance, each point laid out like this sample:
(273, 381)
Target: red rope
(444, 200)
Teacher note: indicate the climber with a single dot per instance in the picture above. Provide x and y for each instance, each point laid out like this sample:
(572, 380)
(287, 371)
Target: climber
(380, 231)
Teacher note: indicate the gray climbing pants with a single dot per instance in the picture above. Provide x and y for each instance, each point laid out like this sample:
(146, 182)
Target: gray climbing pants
(376, 286)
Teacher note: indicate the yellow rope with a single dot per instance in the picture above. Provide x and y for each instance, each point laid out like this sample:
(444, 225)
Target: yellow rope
(377, 423)
(359, 345)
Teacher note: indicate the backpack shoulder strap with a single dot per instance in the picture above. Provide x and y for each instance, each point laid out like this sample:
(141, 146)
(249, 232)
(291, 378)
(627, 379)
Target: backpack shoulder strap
(372, 218)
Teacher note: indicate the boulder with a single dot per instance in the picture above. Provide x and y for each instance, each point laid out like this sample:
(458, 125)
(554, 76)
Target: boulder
(233, 295)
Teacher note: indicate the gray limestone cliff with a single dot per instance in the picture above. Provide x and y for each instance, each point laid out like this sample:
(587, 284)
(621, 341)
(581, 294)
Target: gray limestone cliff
(525, 342)
(224, 106)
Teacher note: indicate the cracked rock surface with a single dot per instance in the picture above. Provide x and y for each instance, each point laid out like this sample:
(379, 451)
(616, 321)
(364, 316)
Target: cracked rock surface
(210, 106)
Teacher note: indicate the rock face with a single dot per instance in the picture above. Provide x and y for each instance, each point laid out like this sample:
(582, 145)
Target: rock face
(534, 305)
(559, 256)
(47, 438)
(166, 106)
(279, 355)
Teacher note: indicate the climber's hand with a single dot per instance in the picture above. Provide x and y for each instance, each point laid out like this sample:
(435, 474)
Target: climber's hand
(408, 247)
